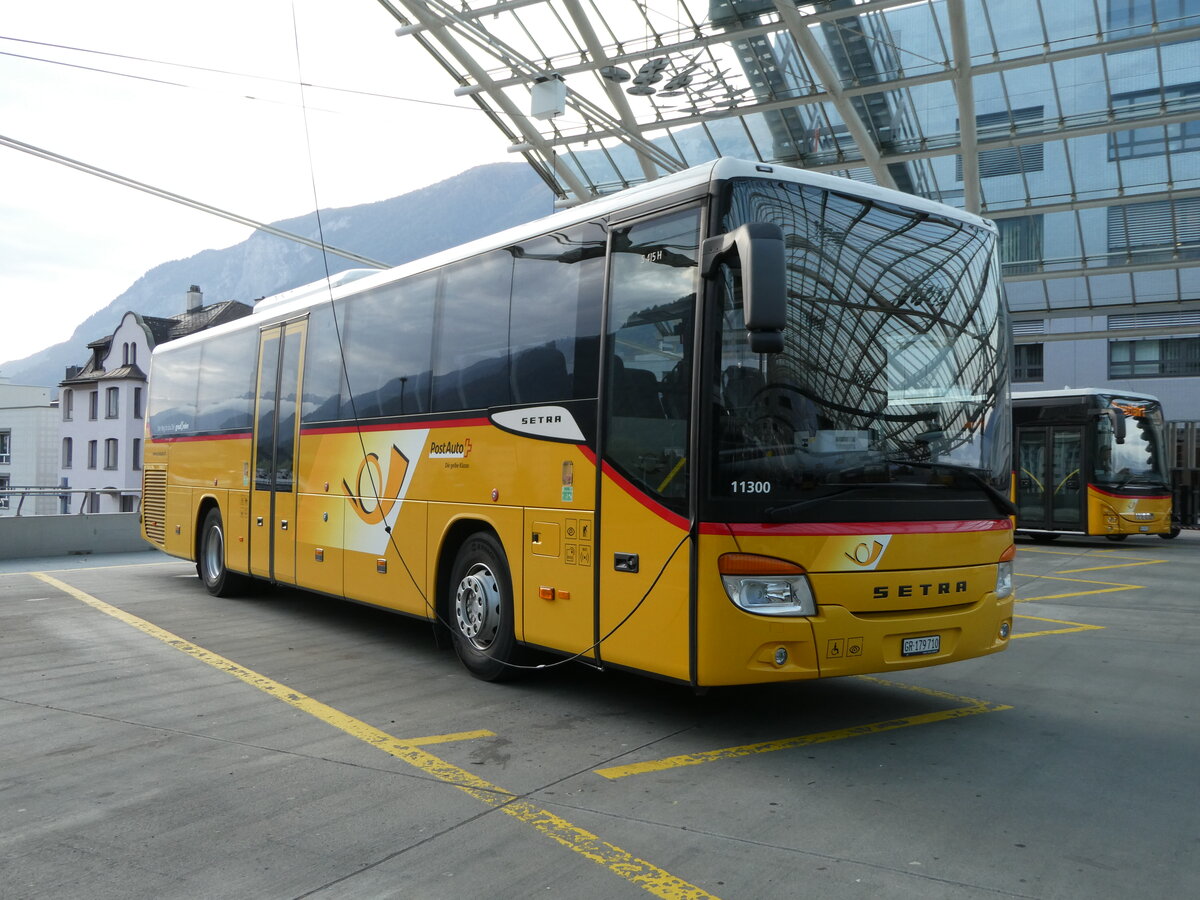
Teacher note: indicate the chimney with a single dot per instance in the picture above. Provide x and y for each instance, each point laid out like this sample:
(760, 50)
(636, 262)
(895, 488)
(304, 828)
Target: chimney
(195, 299)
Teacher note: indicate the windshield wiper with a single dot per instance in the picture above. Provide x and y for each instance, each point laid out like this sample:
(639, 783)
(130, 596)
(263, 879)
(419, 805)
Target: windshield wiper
(772, 511)
(1003, 503)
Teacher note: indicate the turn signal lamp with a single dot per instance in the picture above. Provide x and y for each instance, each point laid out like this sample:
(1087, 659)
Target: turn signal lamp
(766, 586)
(1004, 573)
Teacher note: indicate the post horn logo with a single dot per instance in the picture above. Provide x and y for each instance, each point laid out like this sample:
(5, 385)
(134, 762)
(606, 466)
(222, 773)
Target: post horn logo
(373, 499)
(865, 554)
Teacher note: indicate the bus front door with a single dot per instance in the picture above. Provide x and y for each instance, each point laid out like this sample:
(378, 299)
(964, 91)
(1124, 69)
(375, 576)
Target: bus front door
(644, 555)
(1050, 482)
(273, 492)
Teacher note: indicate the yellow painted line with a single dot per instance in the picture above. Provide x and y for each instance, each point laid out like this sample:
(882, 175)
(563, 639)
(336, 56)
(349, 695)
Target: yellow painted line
(1145, 562)
(619, 862)
(807, 740)
(1072, 627)
(1110, 590)
(1107, 587)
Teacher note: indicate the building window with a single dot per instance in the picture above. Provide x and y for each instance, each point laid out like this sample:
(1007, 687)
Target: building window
(5, 448)
(4, 484)
(93, 502)
(137, 399)
(92, 454)
(133, 354)
(68, 451)
(1027, 362)
(1005, 160)
(125, 354)
(94, 405)
(1021, 244)
(128, 503)
(1127, 18)
(112, 402)
(110, 453)
(1155, 232)
(1155, 140)
(68, 405)
(1155, 357)
(137, 454)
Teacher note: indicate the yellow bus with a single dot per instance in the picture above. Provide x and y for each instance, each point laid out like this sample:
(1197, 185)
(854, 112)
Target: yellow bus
(743, 424)
(1089, 462)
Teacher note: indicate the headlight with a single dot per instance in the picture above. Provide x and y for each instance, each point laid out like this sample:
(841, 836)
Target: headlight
(767, 586)
(1004, 573)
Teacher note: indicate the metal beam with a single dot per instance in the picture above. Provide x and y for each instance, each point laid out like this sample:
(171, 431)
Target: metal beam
(964, 88)
(420, 12)
(615, 95)
(815, 56)
(1114, 335)
(1084, 271)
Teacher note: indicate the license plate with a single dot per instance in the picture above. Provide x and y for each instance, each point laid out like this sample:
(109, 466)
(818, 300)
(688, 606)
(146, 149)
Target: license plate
(921, 646)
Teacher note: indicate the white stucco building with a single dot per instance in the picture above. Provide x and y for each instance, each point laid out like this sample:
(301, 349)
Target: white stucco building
(103, 405)
(28, 447)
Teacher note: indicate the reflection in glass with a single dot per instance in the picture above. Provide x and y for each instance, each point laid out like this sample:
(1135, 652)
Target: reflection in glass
(896, 362)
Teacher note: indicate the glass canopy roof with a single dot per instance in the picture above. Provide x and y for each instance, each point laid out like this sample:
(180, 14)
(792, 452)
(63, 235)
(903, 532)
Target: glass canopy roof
(1074, 124)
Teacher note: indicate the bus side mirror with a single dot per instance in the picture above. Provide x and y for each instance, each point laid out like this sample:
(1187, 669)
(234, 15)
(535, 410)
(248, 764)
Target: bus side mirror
(1117, 419)
(759, 249)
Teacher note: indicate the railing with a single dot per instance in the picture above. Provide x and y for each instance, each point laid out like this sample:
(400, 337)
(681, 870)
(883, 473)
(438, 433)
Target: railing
(64, 496)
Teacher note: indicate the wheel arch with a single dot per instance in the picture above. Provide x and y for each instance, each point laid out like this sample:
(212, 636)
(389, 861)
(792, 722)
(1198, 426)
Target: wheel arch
(207, 502)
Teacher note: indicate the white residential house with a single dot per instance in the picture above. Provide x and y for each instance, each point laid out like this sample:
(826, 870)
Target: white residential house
(103, 405)
(28, 448)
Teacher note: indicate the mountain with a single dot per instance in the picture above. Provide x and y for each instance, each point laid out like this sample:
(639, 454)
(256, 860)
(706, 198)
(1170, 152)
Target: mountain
(468, 206)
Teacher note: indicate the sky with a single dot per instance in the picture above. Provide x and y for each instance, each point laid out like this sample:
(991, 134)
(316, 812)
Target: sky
(202, 100)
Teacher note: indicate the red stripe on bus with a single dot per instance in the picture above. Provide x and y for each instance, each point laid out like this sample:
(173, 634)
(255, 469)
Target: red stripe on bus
(657, 508)
(398, 426)
(957, 526)
(186, 438)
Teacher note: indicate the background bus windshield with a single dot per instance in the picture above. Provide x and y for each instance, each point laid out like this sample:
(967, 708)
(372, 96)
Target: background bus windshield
(1134, 457)
(894, 373)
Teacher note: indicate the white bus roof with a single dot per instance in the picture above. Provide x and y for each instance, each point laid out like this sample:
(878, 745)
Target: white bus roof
(1082, 392)
(299, 298)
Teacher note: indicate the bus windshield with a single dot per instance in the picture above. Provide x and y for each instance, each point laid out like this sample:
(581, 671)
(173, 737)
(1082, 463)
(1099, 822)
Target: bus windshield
(889, 398)
(1136, 457)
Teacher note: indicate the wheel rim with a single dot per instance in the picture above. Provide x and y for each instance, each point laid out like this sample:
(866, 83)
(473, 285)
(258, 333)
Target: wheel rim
(214, 553)
(477, 606)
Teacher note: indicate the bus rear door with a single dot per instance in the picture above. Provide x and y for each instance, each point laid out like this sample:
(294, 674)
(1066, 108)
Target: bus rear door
(273, 492)
(1051, 490)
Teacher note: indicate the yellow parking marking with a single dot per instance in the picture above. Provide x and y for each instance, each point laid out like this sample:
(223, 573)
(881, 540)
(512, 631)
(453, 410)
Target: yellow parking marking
(1106, 587)
(645, 875)
(1144, 562)
(974, 708)
(1072, 627)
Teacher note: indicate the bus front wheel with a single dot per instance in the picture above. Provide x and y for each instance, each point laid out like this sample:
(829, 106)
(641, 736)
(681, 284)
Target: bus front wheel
(481, 609)
(1116, 537)
(210, 564)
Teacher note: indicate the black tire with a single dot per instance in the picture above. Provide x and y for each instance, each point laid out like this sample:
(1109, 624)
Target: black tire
(210, 561)
(1172, 534)
(1116, 537)
(480, 609)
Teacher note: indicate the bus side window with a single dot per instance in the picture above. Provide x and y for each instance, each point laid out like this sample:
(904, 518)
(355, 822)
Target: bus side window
(651, 309)
(555, 318)
(470, 359)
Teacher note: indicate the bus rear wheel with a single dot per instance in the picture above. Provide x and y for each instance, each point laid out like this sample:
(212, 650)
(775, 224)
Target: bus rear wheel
(1116, 537)
(210, 564)
(481, 609)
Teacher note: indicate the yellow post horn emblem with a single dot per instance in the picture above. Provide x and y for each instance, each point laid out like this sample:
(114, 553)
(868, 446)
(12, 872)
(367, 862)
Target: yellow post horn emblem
(384, 501)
